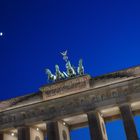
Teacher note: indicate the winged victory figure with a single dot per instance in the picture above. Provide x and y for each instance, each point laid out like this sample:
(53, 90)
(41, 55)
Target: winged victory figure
(64, 54)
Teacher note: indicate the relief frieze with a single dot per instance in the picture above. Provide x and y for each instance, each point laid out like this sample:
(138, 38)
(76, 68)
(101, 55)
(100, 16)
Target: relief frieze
(66, 87)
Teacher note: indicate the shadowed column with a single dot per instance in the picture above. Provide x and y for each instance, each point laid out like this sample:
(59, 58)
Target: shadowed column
(128, 122)
(96, 126)
(23, 133)
(52, 131)
(45, 135)
(1, 136)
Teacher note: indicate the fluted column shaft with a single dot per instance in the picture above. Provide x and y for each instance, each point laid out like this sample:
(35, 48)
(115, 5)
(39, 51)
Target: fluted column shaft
(96, 126)
(1, 136)
(128, 122)
(23, 133)
(52, 131)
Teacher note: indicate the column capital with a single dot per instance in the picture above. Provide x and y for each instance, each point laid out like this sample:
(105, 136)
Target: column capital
(20, 125)
(94, 111)
(125, 104)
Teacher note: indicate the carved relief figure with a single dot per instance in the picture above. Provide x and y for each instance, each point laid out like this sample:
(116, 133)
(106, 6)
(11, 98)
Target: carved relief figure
(64, 54)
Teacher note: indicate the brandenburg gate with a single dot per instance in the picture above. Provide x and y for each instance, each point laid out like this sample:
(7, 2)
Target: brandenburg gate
(71, 103)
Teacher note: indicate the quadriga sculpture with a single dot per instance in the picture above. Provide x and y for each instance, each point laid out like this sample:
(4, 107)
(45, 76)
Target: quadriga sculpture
(70, 70)
(80, 69)
(51, 77)
(58, 73)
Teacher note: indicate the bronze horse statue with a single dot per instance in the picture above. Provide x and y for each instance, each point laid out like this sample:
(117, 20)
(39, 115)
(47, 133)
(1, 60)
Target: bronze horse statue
(70, 70)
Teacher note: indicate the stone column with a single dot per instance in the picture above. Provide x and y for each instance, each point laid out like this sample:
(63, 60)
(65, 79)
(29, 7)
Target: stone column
(52, 130)
(128, 122)
(57, 130)
(23, 133)
(45, 135)
(96, 126)
(1, 136)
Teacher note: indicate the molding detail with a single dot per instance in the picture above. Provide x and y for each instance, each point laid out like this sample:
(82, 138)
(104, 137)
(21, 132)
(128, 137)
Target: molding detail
(82, 102)
(66, 87)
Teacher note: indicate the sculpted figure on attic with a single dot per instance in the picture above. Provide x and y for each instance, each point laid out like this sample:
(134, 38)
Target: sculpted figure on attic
(80, 68)
(51, 76)
(70, 70)
(58, 73)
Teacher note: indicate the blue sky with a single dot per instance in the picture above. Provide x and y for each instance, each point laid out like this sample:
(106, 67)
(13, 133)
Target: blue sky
(105, 33)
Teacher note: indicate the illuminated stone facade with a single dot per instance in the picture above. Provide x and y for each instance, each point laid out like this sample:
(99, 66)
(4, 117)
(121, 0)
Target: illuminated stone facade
(60, 107)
